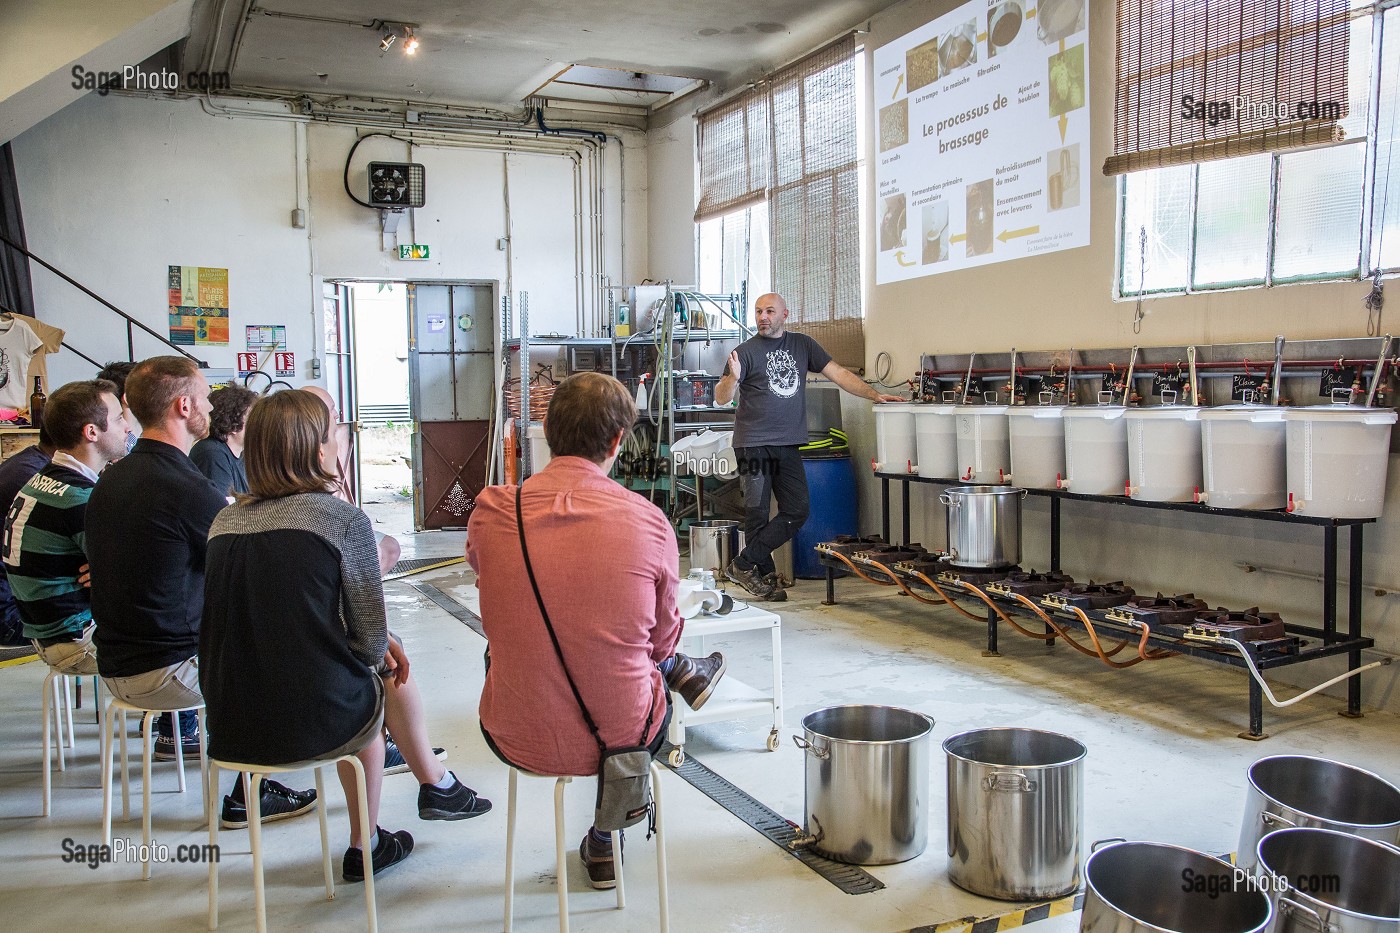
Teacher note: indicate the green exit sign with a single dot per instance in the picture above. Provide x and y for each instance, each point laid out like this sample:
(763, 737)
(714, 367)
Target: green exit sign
(413, 251)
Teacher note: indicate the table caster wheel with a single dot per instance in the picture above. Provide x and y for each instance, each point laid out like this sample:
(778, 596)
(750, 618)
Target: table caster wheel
(676, 758)
(773, 741)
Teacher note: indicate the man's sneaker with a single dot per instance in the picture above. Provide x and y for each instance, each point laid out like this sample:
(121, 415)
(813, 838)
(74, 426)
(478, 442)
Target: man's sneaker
(277, 802)
(751, 580)
(779, 594)
(165, 748)
(393, 758)
(391, 849)
(458, 802)
(598, 862)
(695, 678)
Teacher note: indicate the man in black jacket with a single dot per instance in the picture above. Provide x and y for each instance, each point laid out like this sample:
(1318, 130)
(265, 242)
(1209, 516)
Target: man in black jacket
(147, 525)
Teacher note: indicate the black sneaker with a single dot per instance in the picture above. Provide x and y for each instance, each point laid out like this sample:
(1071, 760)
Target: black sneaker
(458, 802)
(164, 748)
(394, 762)
(779, 587)
(695, 678)
(598, 861)
(391, 849)
(751, 580)
(277, 802)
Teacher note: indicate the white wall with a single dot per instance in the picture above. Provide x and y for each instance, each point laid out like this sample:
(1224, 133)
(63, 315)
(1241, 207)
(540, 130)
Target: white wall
(671, 207)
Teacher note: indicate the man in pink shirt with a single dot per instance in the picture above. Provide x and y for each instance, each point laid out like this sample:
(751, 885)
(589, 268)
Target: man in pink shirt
(606, 563)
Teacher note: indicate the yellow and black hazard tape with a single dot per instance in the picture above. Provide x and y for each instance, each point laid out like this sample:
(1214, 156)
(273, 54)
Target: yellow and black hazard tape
(22, 659)
(1007, 921)
(409, 571)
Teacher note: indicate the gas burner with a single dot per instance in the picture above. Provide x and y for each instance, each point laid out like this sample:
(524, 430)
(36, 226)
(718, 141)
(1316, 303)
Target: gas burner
(1244, 625)
(1090, 596)
(929, 565)
(849, 544)
(1031, 583)
(1159, 610)
(889, 554)
(949, 572)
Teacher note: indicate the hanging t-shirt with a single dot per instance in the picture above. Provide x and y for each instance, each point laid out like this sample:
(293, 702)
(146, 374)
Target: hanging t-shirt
(772, 389)
(18, 344)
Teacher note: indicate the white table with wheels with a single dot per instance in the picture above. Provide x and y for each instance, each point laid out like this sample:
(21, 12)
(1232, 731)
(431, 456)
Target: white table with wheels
(732, 699)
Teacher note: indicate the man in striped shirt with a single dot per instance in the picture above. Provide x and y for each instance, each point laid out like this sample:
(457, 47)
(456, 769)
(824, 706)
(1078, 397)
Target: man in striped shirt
(44, 547)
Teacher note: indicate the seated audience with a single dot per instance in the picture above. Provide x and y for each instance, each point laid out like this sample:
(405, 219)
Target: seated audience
(17, 470)
(116, 373)
(218, 455)
(311, 653)
(613, 608)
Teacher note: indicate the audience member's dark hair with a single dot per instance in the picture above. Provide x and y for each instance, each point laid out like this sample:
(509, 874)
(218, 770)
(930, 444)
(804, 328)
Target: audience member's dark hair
(156, 383)
(45, 439)
(585, 415)
(231, 407)
(75, 406)
(282, 447)
(116, 372)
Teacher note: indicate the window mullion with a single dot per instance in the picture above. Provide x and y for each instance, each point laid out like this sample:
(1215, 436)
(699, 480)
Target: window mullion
(1191, 229)
(1274, 169)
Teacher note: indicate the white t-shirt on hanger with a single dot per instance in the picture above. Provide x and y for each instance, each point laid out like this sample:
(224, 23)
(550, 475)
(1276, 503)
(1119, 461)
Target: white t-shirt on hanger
(18, 344)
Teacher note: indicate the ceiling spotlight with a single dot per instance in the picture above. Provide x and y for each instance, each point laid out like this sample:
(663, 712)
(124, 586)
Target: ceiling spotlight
(410, 41)
(390, 37)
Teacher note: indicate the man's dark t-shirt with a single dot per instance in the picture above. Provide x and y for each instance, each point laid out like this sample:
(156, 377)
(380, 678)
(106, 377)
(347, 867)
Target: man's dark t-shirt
(772, 398)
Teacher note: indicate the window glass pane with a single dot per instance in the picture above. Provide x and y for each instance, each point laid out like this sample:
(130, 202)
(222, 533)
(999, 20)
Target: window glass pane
(1386, 209)
(1157, 202)
(1360, 58)
(1232, 221)
(735, 258)
(1319, 212)
(760, 276)
(709, 255)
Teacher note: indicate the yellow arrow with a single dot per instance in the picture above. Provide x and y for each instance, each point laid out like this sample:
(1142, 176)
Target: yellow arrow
(1030, 14)
(957, 238)
(899, 257)
(981, 37)
(897, 85)
(1024, 231)
(1064, 122)
(1062, 45)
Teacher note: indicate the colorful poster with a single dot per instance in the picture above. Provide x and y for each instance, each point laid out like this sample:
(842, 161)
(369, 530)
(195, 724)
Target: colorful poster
(266, 336)
(198, 306)
(983, 137)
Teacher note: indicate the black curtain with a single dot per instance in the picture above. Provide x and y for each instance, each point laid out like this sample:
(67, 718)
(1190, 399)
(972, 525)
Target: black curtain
(16, 292)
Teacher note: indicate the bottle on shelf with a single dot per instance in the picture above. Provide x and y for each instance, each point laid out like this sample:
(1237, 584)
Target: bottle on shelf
(36, 402)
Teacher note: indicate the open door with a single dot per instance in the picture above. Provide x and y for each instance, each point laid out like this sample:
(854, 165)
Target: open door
(451, 366)
(338, 304)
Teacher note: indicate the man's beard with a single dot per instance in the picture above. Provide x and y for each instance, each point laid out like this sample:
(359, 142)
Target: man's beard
(199, 425)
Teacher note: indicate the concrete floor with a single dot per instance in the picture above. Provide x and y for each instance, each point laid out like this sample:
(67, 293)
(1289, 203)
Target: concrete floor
(1164, 764)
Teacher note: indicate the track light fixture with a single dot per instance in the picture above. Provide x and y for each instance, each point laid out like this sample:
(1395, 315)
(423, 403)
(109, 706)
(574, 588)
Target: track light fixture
(410, 41)
(390, 37)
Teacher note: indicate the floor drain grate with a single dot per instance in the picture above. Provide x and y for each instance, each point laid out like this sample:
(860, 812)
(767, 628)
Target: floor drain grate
(451, 607)
(851, 879)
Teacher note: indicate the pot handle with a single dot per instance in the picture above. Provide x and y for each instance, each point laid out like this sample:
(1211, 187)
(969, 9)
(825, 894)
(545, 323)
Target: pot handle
(816, 751)
(1094, 847)
(949, 501)
(1290, 905)
(1008, 781)
(1273, 819)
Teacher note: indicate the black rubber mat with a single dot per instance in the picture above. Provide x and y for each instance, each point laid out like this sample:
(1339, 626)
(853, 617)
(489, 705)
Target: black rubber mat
(414, 565)
(852, 879)
(451, 607)
(17, 653)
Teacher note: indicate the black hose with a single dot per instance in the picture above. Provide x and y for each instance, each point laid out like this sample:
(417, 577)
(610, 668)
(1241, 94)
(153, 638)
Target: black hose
(548, 131)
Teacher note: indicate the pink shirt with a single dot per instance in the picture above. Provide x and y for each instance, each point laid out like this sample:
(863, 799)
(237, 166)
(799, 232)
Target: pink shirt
(606, 563)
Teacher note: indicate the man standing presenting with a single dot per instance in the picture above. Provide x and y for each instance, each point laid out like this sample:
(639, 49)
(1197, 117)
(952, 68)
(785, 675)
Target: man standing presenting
(771, 424)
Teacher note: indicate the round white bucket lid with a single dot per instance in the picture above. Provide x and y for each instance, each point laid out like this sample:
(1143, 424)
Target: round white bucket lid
(1358, 414)
(1255, 413)
(1164, 412)
(1102, 412)
(1037, 411)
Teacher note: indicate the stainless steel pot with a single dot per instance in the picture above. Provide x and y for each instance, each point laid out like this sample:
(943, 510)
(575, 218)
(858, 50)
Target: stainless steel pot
(867, 783)
(984, 525)
(713, 544)
(1015, 812)
(1296, 790)
(1320, 879)
(1150, 887)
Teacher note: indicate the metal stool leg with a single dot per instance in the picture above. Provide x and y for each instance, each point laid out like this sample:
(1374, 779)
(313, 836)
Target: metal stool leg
(510, 851)
(210, 787)
(45, 698)
(252, 783)
(178, 732)
(662, 892)
(68, 705)
(561, 867)
(366, 833)
(147, 752)
(126, 789)
(109, 721)
(325, 835)
(617, 867)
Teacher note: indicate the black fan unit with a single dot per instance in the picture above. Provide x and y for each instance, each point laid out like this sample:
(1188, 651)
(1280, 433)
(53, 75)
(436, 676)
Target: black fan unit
(396, 184)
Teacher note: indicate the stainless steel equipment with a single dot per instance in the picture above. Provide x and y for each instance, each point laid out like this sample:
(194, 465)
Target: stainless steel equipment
(713, 544)
(867, 783)
(984, 525)
(1149, 887)
(1296, 790)
(1320, 879)
(1015, 812)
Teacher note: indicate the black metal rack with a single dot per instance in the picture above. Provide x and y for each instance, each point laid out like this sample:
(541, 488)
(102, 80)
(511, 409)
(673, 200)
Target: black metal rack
(1329, 641)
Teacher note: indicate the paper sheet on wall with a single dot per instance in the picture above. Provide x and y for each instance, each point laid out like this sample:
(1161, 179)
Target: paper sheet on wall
(982, 138)
(199, 305)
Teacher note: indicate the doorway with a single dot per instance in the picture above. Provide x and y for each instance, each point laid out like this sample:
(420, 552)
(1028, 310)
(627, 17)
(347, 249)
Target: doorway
(385, 408)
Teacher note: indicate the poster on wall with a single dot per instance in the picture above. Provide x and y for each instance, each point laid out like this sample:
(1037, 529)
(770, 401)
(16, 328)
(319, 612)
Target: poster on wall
(198, 306)
(982, 138)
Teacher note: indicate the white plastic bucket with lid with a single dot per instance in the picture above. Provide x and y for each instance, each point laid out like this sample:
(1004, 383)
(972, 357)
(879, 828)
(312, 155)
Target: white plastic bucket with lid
(1164, 453)
(984, 447)
(1337, 460)
(894, 437)
(936, 440)
(1243, 457)
(1037, 435)
(1096, 450)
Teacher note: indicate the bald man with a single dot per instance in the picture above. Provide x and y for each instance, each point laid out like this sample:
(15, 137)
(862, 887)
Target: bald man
(769, 373)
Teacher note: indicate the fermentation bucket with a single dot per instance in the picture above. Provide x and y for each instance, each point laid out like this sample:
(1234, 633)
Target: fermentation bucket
(1037, 434)
(1150, 887)
(1015, 812)
(1325, 880)
(984, 448)
(1096, 450)
(1296, 790)
(713, 544)
(894, 437)
(867, 782)
(1242, 457)
(1164, 453)
(984, 525)
(936, 440)
(1337, 459)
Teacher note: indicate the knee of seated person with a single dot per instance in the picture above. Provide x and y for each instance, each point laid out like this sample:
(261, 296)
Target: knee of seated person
(389, 552)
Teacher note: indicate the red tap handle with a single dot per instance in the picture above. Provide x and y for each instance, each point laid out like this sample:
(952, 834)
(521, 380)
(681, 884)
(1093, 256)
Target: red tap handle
(1127, 489)
(909, 466)
(1001, 475)
(873, 468)
(969, 473)
(1291, 506)
(1059, 482)
(1196, 496)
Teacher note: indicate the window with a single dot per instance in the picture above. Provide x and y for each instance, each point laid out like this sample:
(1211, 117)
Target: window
(1325, 213)
(733, 250)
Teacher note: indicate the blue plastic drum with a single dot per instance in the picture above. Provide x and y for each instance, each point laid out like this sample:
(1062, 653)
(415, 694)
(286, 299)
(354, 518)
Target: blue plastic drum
(831, 487)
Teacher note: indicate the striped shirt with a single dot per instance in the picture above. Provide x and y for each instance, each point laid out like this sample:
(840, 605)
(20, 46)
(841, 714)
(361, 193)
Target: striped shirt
(44, 547)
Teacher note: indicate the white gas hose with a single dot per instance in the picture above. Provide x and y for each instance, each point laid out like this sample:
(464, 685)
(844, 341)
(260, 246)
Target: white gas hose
(1304, 695)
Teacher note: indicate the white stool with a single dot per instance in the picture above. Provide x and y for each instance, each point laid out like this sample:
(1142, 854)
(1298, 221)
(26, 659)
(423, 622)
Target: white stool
(55, 693)
(561, 852)
(252, 782)
(118, 722)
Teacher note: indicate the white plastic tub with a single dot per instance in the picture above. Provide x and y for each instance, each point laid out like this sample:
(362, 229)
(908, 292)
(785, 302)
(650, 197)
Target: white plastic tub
(1337, 460)
(936, 440)
(984, 448)
(1164, 453)
(1243, 457)
(1096, 450)
(1037, 434)
(894, 437)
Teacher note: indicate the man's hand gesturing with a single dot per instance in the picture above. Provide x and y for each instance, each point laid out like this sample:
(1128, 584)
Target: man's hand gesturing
(735, 367)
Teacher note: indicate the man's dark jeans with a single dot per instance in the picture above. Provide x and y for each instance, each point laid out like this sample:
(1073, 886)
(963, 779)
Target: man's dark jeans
(765, 472)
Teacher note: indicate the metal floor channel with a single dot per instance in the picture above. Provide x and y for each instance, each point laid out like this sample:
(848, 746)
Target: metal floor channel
(451, 607)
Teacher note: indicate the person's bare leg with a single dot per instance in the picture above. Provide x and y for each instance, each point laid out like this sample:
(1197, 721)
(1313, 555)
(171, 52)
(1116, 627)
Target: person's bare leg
(389, 551)
(403, 717)
(372, 758)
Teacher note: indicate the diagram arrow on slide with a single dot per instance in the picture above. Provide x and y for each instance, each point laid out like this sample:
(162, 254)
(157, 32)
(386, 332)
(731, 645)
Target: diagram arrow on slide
(1030, 14)
(1064, 122)
(957, 238)
(1024, 231)
(899, 257)
(981, 37)
(897, 85)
